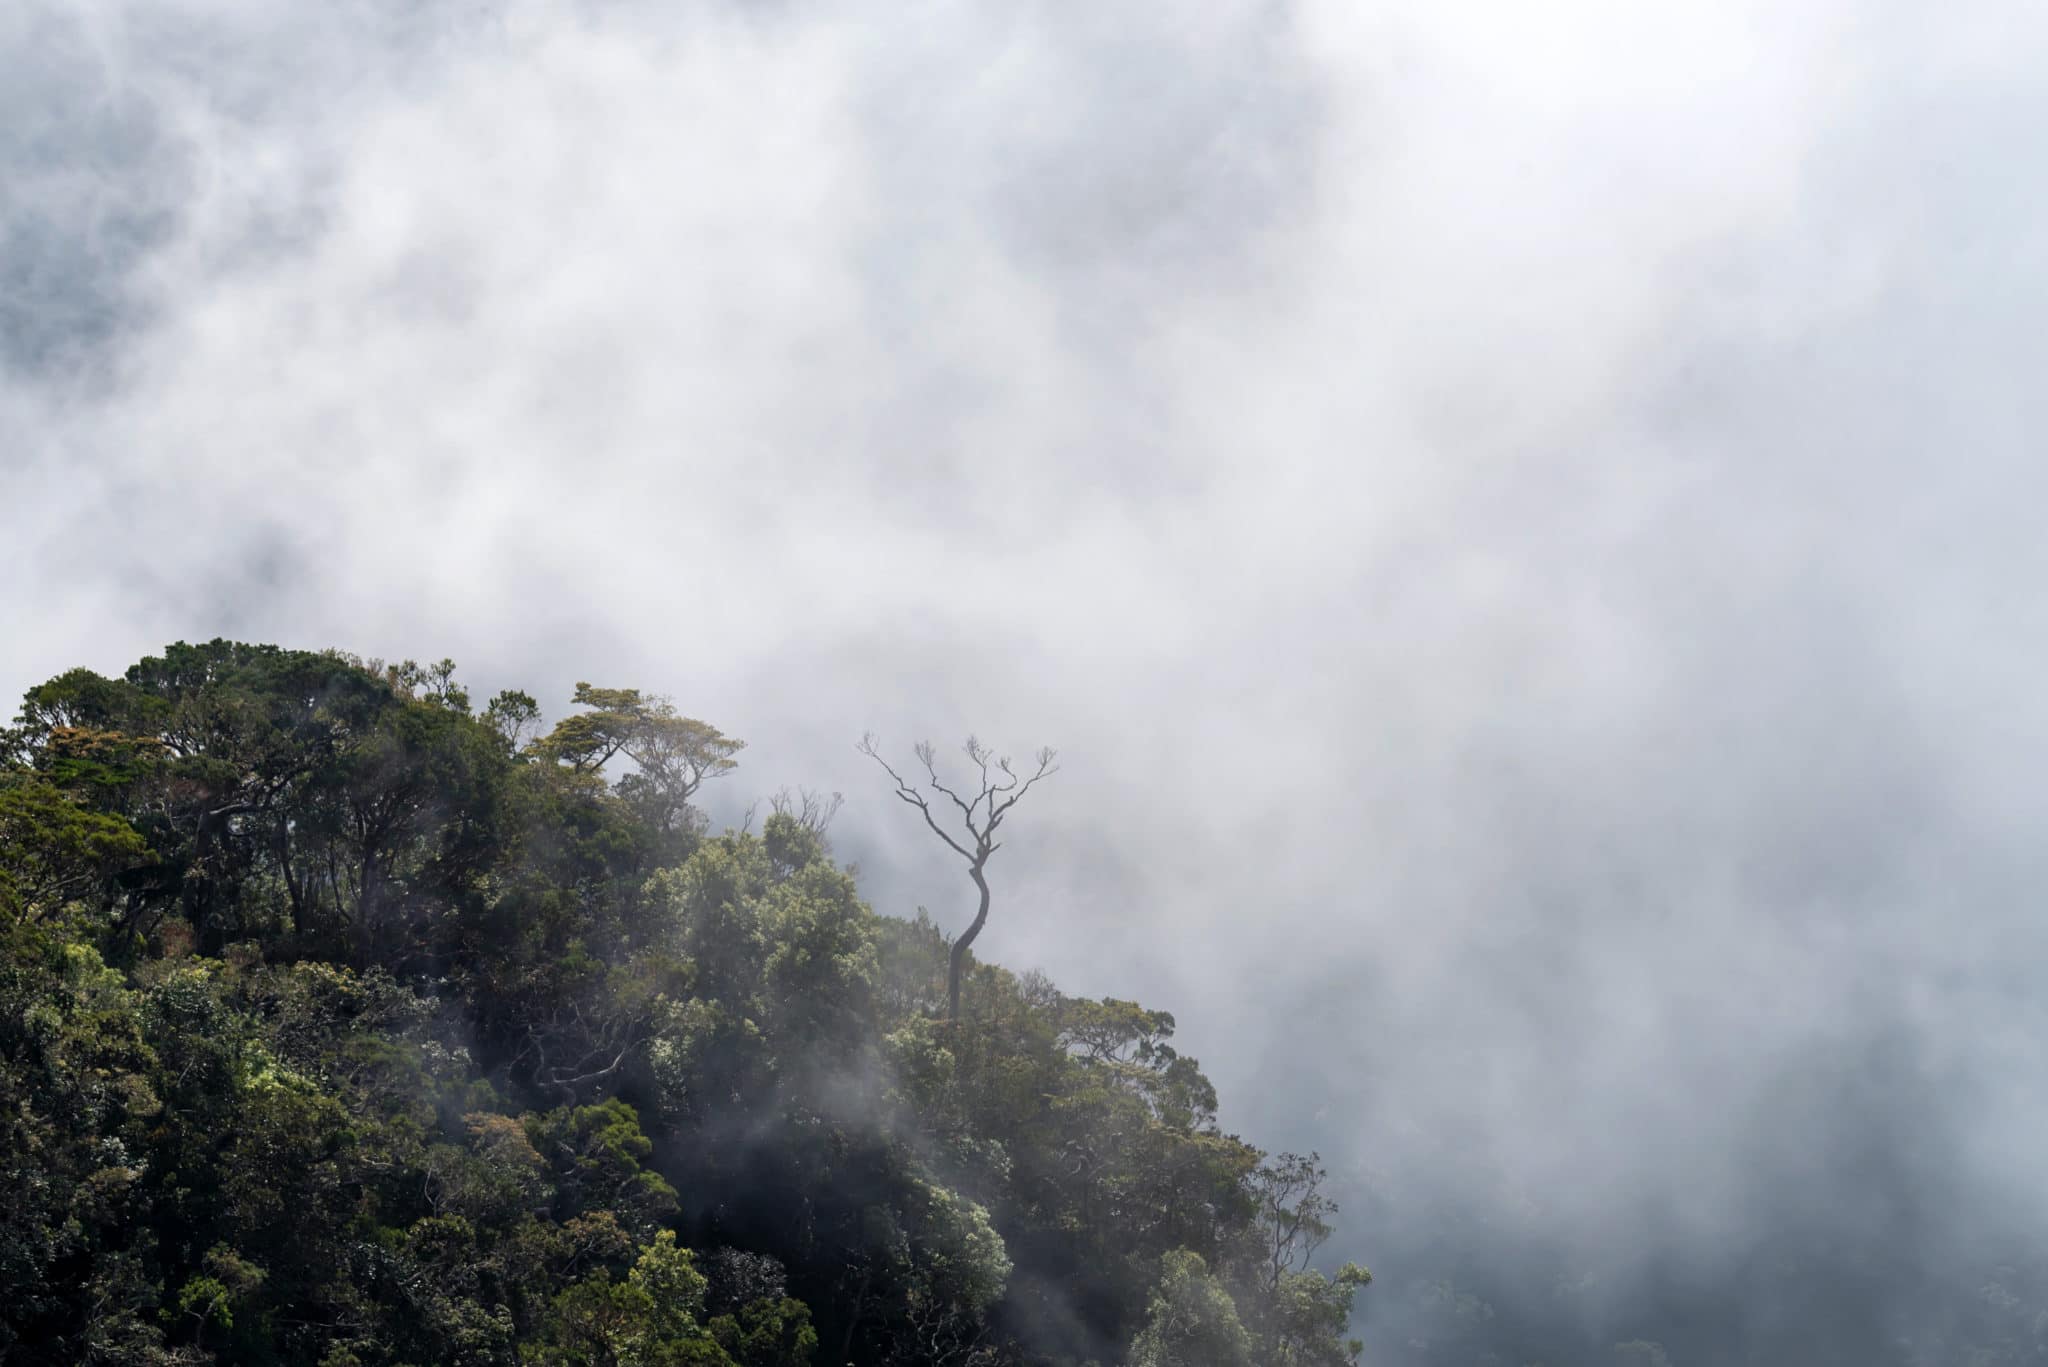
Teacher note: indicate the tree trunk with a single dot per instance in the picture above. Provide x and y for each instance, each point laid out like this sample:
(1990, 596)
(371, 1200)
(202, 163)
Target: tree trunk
(369, 891)
(860, 1298)
(291, 882)
(959, 956)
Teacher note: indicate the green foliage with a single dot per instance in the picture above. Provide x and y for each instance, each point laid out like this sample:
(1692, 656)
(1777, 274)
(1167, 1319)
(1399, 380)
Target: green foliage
(1192, 1321)
(767, 1333)
(672, 755)
(57, 850)
(341, 1025)
(597, 1154)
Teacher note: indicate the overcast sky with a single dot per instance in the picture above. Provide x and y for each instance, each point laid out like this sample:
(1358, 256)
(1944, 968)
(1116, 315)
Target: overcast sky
(1523, 521)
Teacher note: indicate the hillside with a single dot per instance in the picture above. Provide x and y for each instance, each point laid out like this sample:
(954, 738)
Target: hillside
(346, 1022)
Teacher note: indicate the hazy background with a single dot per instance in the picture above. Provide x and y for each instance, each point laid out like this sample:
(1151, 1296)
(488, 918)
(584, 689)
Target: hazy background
(1525, 523)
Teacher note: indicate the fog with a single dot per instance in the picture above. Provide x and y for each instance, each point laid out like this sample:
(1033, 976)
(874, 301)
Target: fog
(1522, 522)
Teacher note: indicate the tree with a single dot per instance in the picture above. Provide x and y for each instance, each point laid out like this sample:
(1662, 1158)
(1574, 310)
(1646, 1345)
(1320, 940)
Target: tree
(1000, 788)
(52, 850)
(1297, 1314)
(649, 1320)
(674, 755)
(1291, 1219)
(514, 715)
(1193, 1322)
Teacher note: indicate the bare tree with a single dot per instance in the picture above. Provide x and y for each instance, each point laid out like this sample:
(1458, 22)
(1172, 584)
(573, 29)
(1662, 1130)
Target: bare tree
(812, 811)
(1001, 787)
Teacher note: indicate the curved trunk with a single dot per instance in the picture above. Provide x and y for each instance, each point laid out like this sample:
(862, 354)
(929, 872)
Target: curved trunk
(959, 956)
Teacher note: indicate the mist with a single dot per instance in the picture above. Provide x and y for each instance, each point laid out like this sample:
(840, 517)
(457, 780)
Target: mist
(1522, 524)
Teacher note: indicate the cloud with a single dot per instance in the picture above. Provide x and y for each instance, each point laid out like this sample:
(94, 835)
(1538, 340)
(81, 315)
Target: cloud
(1519, 520)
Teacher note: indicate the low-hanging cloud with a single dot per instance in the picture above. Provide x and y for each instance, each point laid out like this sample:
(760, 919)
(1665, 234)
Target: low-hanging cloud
(1520, 520)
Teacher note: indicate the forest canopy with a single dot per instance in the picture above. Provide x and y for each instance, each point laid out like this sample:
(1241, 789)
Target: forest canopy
(347, 1022)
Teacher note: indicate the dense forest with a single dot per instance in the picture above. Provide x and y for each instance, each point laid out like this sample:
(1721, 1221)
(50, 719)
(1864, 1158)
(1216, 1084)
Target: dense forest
(346, 1022)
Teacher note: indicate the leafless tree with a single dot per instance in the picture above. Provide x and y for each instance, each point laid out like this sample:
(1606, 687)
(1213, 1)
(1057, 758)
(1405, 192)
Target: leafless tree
(573, 1048)
(812, 811)
(1000, 787)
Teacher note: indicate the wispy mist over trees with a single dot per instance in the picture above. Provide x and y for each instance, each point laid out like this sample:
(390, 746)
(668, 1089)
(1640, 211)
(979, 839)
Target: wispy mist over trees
(346, 1022)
